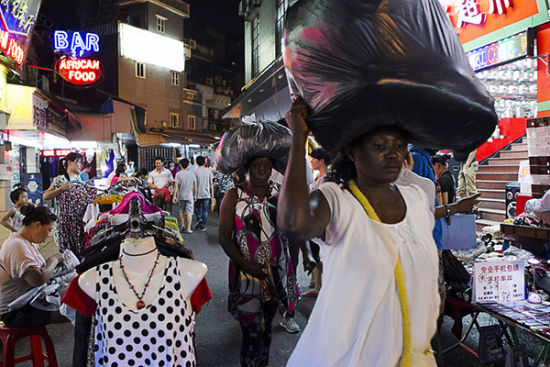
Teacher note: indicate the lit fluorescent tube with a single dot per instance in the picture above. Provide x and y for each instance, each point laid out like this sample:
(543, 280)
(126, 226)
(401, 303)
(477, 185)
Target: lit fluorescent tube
(151, 48)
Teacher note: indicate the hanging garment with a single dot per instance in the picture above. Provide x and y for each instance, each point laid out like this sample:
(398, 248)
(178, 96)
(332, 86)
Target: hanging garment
(90, 216)
(260, 242)
(159, 334)
(124, 205)
(70, 208)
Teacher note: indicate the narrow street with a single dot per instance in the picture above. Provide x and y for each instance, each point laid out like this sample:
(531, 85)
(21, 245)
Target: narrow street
(218, 334)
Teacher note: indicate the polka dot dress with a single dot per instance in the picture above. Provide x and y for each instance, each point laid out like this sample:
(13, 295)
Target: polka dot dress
(160, 334)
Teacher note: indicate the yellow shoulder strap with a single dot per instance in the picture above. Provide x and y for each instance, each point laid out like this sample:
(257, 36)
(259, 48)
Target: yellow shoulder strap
(406, 360)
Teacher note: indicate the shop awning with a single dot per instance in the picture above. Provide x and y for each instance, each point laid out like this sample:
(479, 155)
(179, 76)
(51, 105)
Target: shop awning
(172, 136)
(267, 97)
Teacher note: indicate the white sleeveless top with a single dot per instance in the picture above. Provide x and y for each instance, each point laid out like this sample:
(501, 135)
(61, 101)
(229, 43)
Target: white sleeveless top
(160, 334)
(356, 320)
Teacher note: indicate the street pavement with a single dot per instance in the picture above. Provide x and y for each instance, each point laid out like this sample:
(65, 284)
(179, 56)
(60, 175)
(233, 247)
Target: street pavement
(219, 335)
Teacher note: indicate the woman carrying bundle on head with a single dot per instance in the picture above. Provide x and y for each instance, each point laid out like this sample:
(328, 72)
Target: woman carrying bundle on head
(261, 278)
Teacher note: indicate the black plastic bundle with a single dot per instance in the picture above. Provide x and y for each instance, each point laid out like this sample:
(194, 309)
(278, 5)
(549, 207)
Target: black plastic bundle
(261, 139)
(360, 64)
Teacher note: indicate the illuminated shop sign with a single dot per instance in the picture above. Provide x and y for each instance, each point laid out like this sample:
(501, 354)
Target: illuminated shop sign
(17, 17)
(76, 43)
(75, 66)
(475, 18)
(499, 52)
(79, 71)
(151, 48)
(11, 48)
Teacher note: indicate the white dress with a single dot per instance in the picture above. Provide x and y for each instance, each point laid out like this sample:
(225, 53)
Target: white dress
(356, 320)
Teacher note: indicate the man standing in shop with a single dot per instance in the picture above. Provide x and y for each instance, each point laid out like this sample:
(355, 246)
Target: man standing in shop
(205, 190)
(467, 177)
(161, 180)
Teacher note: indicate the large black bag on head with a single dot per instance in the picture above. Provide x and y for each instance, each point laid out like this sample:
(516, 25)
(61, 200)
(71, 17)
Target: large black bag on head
(360, 64)
(261, 139)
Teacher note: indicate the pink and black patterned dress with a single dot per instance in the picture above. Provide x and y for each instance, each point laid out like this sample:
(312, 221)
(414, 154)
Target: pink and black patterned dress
(70, 207)
(252, 302)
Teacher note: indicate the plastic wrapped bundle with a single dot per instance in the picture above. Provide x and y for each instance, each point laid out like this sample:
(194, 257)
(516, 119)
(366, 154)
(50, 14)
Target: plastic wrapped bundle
(262, 139)
(360, 64)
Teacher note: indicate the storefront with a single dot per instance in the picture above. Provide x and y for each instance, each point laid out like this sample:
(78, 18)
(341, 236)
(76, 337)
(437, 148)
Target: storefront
(17, 21)
(506, 44)
(37, 122)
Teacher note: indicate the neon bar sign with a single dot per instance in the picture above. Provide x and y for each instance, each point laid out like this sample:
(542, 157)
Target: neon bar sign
(498, 52)
(79, 71)
(79, 44)
(11, 48)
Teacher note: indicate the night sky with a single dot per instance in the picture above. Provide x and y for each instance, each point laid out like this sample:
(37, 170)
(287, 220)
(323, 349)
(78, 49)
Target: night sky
(219, 14)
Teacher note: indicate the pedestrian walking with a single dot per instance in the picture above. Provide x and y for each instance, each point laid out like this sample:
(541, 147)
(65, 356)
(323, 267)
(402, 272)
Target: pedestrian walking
(205, 191)
(185, 194)
(377, 234)
(260, 275)
(222, 184)
(160, 180)
(320, 159)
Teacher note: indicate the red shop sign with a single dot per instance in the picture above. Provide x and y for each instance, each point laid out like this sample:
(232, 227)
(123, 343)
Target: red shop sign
(475, 18)
(79, 71)
(11, 48)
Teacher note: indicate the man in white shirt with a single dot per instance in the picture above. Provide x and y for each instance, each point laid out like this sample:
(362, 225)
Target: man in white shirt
(205, 191)
(185, 192)
(160, 180)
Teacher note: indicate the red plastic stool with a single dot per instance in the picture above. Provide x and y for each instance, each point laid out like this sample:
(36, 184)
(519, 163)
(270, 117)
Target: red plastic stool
(9, 336)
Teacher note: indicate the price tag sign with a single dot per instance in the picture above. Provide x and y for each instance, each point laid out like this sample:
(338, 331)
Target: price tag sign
(499, 281)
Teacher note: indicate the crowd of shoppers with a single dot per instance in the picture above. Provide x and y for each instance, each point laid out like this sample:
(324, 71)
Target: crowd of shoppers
(353, 222)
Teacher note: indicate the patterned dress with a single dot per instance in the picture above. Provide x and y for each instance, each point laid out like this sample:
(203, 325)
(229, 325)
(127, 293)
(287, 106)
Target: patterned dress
(253, 302)
(70, 207)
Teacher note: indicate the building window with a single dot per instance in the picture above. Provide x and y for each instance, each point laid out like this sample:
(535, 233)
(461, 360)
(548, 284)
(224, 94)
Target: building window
(280, 12)
(255, 46)
(192, 122)
(140, 70)
(174, 120)
(175, 78)
(161, 24)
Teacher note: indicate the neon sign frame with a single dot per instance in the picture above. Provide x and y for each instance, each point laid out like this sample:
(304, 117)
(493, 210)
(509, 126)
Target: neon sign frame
(77, 44)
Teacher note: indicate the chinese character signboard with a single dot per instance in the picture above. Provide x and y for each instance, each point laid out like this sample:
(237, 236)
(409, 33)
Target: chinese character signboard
(75, 66)
(475, 18)
(17, 18)
(499, 281)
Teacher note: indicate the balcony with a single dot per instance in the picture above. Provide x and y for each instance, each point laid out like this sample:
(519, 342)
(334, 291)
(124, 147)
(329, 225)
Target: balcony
(182, 6)
(177, 6)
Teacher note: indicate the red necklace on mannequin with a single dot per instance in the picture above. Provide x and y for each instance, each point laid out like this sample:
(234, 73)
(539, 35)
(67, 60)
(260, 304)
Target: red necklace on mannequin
(140, 303)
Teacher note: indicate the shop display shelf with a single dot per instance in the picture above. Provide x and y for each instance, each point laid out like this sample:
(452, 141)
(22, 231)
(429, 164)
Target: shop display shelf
(523, 81)
(538, 233)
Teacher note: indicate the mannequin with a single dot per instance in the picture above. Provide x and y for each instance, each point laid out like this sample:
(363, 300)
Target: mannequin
(138, 268)
(144, 313)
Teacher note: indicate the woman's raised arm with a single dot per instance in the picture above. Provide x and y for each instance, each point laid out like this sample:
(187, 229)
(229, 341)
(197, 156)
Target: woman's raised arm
(303, 215)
